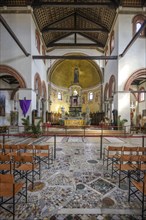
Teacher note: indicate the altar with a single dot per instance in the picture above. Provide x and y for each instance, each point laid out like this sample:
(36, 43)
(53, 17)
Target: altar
(74, 122)
(74, 118)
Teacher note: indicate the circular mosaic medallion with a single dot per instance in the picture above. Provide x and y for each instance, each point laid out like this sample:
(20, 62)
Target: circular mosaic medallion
(106, 202)
(92, 161)
(80, 186)
(37, 187)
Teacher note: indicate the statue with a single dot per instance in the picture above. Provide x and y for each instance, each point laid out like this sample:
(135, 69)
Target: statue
(76, 75)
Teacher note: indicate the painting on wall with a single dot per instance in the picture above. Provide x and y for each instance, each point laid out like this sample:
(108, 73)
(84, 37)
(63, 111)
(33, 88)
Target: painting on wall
(2, 104)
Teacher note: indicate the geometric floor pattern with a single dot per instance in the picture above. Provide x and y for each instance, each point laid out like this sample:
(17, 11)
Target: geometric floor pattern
(77, 185)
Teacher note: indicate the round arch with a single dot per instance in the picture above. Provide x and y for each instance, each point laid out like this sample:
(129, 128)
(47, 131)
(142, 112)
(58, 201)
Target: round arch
(37, 83)
(106, 91)
(14, 73)
(44, 90)
(135, 75)
(61, 72)
(112, 85)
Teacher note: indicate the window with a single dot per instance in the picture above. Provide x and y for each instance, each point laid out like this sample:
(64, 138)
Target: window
(59, 96)
(112, 42)
(37, 39)
(90, 96)
(141, 94)
(43, 53)
(138, 26)
(106, 54)
(138, 20)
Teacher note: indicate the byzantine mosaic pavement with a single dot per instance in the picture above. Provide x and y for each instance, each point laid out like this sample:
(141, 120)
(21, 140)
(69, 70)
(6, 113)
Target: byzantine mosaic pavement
(77, 185)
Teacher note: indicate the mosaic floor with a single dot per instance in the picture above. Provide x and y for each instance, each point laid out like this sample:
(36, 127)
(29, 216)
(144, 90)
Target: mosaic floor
(77, 185)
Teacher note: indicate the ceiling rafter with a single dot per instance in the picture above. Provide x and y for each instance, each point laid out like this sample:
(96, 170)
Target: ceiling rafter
(73, 4)
(143, 3)
(57, 19)
(74, 57)
(9, 79)
(54, 43)
(59, 38)
(93, 40)
(74, 30)
(75, 44)
(116, 3)
(46, 28)
(49, 28)
(93, 22)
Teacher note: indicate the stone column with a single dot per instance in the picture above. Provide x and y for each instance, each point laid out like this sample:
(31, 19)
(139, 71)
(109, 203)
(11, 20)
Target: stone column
(122, 104)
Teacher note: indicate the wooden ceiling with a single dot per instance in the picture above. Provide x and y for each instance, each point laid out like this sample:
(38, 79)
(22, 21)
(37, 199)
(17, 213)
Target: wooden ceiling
(74, 23)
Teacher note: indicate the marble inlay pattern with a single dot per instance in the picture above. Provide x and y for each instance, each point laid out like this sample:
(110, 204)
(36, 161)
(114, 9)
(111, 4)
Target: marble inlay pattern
(76, 189)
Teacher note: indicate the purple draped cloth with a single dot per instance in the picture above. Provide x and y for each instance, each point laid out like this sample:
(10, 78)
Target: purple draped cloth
(24, 104)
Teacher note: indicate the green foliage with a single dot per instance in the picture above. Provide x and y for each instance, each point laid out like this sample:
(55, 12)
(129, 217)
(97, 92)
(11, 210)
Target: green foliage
(36, 129)
(33, 129)
(26, 124)
(121, 122)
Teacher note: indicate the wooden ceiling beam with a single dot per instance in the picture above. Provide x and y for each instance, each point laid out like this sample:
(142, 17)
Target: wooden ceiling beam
(73, 57)
(50, 28)
(133, 39)
(74, 44)
(46, 28)
(74, 30)
(36, 4)
(116, 3)
(144, 3)
(59, 38)
(93, 22)
(7, 27)
(91, 39)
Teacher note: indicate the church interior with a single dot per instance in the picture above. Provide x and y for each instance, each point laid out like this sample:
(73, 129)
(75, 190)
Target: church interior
(72, 109)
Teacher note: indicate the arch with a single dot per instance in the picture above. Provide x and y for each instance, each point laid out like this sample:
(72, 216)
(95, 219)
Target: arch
(37, 38)
(106, 90)
(37, 83)
(135, 75)
(44, 90)
(60, 73)
(14, 73)
(138, 19)
(112, 85)
(112, 42)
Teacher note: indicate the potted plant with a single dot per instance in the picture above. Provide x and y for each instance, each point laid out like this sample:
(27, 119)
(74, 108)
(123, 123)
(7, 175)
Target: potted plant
(36, 129)
(26, 124)
(33, 129)
(121, 122)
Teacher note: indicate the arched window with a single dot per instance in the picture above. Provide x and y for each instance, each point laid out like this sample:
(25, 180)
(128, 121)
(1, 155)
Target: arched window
(141, 94)
(59, 96)
(37, 39)
(112, 42)
(138, 20)
(90, 96)
(43, 53)
(138, 26)
(106, 54)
